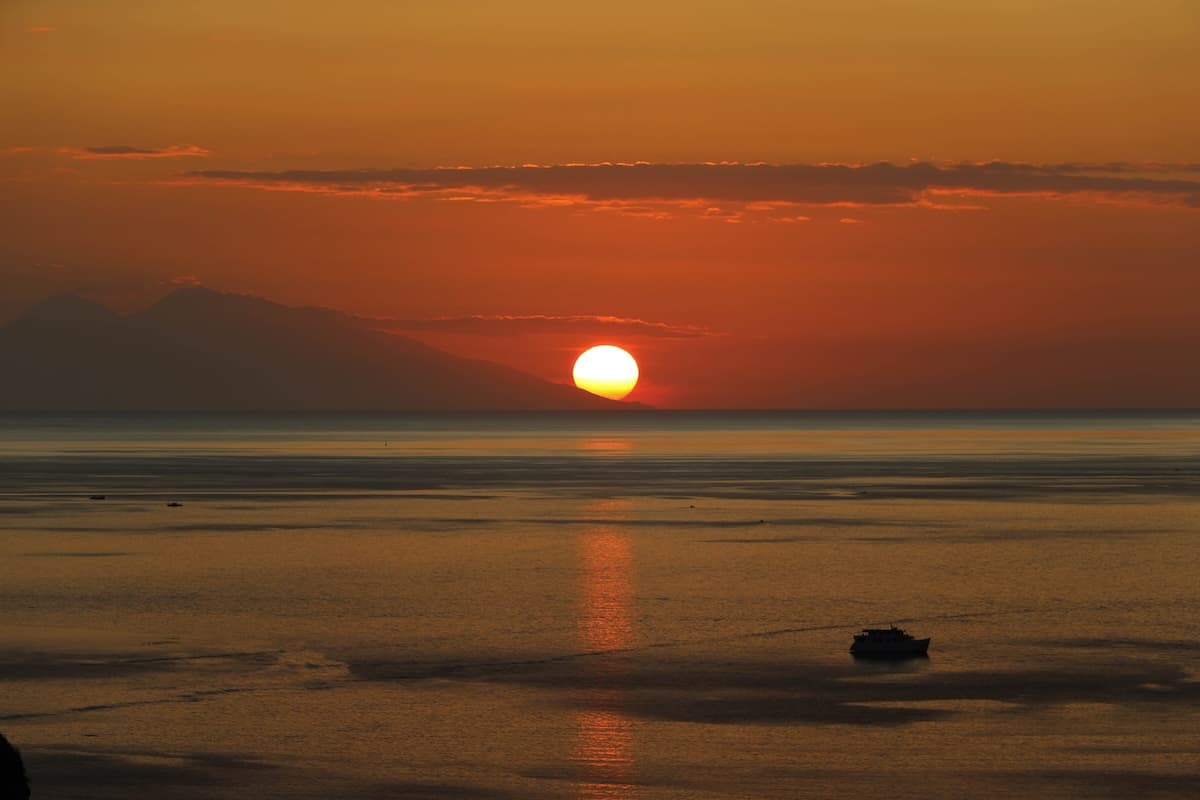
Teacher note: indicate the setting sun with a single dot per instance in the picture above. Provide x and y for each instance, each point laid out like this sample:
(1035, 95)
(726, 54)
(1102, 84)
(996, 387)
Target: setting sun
(607, 371)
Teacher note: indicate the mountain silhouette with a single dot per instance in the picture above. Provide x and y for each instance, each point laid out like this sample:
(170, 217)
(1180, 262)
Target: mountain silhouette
(201, 350)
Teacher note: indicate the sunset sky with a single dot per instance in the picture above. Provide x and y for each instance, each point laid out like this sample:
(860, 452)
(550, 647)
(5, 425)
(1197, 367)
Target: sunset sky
(771, 203)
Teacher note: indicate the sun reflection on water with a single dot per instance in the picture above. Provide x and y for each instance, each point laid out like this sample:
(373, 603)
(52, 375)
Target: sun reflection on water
(604, 735)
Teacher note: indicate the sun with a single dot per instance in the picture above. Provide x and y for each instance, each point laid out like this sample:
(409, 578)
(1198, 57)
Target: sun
(606, 370)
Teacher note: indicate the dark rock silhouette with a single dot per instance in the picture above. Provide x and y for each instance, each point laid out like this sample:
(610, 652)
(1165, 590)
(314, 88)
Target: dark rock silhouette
(14, 783)
(201, 350)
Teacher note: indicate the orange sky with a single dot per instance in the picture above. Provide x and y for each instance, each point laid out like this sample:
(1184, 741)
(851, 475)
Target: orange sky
(726, 216)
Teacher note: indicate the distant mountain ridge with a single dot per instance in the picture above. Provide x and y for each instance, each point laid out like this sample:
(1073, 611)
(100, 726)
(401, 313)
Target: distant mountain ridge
(201, 350)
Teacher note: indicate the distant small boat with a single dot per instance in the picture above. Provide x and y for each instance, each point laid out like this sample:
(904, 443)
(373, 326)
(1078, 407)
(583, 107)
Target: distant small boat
(97, 497)
(173, 504)
(890, 642)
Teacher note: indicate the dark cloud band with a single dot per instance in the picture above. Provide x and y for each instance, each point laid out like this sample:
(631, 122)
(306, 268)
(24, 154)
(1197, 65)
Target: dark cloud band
(878, 184)
(540, 324)
(122, 151)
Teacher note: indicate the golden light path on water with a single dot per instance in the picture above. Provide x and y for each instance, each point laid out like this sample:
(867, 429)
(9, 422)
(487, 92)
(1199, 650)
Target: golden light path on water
(604, 734)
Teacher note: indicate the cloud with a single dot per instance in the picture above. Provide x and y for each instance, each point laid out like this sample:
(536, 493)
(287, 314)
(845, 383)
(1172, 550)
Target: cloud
(739, 190)
(510, 325)
(127, 152)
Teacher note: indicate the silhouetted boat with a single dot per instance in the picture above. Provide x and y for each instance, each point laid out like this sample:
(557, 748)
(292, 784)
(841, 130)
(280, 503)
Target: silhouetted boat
(890, 642)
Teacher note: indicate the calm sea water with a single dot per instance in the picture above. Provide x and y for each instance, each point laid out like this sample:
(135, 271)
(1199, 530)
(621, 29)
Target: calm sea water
(571, 606)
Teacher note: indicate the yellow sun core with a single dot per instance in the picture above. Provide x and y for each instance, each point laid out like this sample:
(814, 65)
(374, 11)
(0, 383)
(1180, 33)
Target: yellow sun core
(607, 371)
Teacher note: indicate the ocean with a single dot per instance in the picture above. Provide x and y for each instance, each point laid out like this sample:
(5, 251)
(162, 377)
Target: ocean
(652, 605)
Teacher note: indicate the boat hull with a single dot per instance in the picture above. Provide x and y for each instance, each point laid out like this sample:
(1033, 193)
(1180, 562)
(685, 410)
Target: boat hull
(912, 648)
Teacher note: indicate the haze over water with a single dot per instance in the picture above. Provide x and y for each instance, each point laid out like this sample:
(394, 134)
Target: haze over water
(651, 606)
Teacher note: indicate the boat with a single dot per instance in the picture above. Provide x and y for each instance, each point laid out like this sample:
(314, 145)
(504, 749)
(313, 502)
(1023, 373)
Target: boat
(890, 642)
